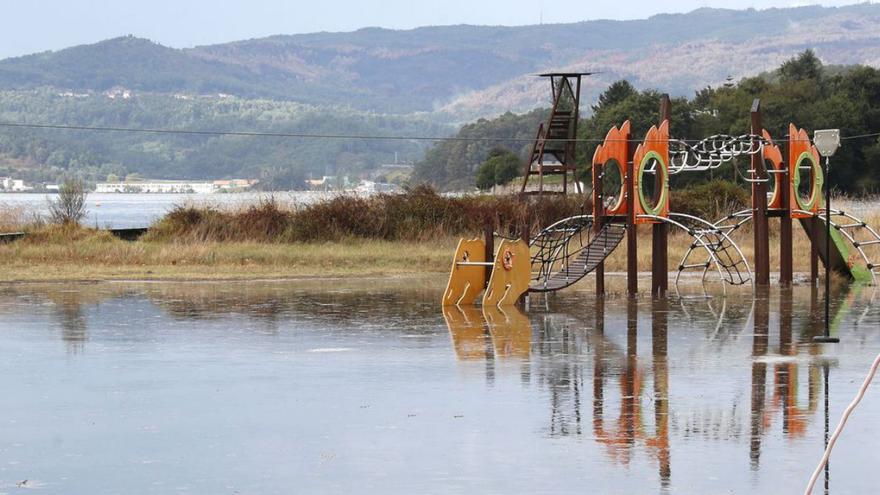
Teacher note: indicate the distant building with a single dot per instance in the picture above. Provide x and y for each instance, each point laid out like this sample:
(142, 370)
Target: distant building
(174, 186)
(234, 184)
(14, 185)
(118, 92)
(371, 187)
(328, 183)
(71, 94)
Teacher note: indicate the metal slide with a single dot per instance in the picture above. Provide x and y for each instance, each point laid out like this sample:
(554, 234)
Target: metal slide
(846, 231)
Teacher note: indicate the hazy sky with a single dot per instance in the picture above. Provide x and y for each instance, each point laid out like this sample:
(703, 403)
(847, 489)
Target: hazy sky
(37, 25)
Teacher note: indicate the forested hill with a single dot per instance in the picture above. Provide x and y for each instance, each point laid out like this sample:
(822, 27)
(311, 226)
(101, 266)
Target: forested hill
(801, 91)
(282, 162)
(465, 71)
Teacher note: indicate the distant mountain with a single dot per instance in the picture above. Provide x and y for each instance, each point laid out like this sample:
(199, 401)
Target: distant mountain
(462, 72)
(419, 82)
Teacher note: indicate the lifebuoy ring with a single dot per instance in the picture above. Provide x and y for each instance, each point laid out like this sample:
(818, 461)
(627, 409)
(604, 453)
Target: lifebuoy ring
(507, 259)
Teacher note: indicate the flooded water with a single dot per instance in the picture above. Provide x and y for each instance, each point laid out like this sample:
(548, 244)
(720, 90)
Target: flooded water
(108, 210)
(368, 387)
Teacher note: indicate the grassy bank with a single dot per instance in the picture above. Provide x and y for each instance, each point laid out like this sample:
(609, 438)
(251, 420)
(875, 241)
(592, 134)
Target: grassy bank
(73, 253)
(384, 235)
(344, 236)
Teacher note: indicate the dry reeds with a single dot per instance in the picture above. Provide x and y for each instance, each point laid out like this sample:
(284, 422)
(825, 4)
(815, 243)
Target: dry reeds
(417, 215)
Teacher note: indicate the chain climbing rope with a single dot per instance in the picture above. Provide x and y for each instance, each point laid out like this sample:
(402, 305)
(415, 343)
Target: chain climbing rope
(712, 152)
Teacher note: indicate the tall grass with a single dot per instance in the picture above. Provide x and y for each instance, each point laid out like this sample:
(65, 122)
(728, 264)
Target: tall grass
(417, 215)
(19, 217)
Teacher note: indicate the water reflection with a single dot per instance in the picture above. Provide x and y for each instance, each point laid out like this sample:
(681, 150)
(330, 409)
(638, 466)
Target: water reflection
(683, 394)
(468, 332)
(632, 406)
(72, 320)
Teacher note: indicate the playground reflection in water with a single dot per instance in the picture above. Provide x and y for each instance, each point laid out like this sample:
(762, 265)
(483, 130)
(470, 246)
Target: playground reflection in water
(363, 386)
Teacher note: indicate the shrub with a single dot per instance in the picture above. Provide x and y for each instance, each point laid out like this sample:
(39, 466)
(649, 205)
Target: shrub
(70, 205)
(710, 200)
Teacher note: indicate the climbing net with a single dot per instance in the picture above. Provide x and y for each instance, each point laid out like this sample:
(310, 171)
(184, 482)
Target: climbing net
(556, 244)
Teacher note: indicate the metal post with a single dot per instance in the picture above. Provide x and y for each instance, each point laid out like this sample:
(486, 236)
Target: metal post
(759, 205)
(827, 248)
(827, 338)
(660, 231)
(826, 142)
(814, 251)
(489, 236)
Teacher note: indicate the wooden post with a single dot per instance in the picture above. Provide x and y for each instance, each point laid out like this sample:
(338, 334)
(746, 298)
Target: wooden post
(760, 344)
(759, 205)
(660, 231)
(787, 346)
(784, 184)
(632, 261)
(598, 221)
(628, 401)
(659, 345)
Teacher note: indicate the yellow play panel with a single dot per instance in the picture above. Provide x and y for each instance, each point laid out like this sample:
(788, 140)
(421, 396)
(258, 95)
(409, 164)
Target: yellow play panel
(510, 274)
(466, 281)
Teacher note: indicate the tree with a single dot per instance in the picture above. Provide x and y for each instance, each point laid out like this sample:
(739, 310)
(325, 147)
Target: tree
(803, 67)
(501, 167)
(281, 179)
(70, 205)
(617, 92)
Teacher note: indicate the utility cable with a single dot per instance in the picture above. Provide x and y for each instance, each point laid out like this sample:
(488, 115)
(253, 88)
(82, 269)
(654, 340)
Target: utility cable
(331, 136)
(842, 423)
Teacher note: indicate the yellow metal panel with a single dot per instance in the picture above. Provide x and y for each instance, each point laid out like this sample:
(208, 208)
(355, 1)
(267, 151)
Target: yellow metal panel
(466, 282)
(510, 274)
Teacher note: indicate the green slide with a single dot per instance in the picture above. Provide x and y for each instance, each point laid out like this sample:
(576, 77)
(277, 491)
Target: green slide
(844, 258)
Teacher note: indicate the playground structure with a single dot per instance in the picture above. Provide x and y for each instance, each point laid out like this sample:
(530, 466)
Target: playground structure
(565, 252)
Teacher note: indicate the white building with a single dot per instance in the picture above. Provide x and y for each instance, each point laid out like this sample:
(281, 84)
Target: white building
(174, 187)
(14, 185)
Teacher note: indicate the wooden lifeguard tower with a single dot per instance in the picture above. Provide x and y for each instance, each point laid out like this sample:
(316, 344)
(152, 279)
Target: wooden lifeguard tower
(554, 149)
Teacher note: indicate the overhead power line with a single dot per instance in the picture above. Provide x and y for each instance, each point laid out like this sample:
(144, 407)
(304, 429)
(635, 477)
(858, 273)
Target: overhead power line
(298, 135)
